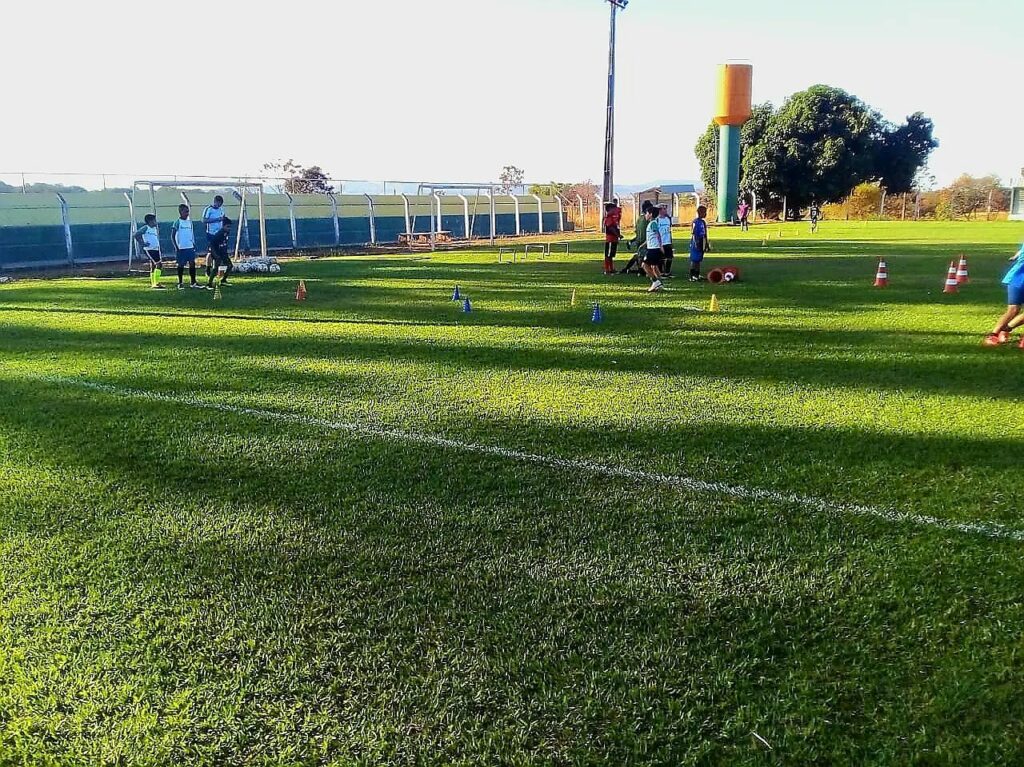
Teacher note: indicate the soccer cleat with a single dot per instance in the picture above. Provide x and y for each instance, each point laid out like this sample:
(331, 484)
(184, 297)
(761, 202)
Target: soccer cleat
(197, 286)
(1021, 344)
(655, 287)
(158, 286)
(1004, 336)
(180, 286)
(993, 339)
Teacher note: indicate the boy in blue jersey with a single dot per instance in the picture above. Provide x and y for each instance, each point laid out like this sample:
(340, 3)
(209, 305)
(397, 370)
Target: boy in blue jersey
(1012, 318)
(699, 244)
(184, 238)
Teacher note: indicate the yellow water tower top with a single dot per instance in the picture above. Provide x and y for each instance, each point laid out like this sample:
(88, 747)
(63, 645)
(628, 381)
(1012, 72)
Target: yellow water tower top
(735, 83)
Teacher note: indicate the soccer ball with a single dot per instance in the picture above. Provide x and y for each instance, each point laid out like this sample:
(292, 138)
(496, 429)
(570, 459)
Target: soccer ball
(262, 268)
(274, 268)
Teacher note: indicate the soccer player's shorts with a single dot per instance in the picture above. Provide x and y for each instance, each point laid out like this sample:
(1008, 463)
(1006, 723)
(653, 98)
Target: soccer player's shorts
(669, 253)
(653, 258)
(1015, 295)
(154, 256)
(186, 256)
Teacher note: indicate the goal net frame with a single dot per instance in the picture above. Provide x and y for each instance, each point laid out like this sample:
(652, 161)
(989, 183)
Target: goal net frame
(243, 187)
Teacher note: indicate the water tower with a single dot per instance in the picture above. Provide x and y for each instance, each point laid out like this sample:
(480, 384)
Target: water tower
(732, 111)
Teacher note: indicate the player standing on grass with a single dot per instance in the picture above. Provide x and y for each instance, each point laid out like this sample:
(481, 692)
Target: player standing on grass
(148, 238)
(744, 213)
(612, 235)
(1012, 318)
(655, 254)
(699, 244)
(815, 217)
(219, 257)
(665, 227)
(213, 218)
(184, 239)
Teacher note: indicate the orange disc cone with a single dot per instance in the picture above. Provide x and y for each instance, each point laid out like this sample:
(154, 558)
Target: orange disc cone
(962, 277)
(951, 285)
(300, 294)
(882, 275)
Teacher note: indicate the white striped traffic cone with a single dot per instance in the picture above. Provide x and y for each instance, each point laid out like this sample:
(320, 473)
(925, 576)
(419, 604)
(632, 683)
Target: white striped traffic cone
(962, 277)
(882, 275)
(951, 285)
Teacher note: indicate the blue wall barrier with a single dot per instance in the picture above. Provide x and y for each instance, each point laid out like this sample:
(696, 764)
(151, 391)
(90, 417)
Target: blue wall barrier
(76, 228)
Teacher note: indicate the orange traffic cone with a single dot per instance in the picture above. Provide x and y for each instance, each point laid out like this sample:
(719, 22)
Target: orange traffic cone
(300, 294)
(962, 277)
(951, 286)
(882, 275)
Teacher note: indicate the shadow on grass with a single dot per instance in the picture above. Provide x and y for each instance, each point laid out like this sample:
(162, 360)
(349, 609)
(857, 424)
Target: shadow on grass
(916, 361)
(320, 598)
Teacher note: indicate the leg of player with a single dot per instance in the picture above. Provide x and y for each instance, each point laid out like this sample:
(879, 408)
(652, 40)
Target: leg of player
(1008, 322)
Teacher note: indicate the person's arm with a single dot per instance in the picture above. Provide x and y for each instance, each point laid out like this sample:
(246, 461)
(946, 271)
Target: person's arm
(139, 239)
(206, 216)
(174, 235)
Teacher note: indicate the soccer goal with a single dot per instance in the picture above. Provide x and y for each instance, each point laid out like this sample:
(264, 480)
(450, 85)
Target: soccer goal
(161, 197)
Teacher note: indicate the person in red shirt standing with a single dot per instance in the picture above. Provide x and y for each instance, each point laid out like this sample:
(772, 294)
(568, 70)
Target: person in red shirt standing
(612, 235)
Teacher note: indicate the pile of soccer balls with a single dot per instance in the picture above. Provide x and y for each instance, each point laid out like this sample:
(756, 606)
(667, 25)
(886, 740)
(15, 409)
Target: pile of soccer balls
(258, 265)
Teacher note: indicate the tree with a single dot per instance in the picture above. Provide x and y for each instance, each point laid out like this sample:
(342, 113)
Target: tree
(969, 194)
(300, 180)
(511, 178)
(817, 147)
(311, 180)
(903, 151)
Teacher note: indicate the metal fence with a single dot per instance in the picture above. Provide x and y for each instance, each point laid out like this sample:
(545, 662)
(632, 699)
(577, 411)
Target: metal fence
(45, 228)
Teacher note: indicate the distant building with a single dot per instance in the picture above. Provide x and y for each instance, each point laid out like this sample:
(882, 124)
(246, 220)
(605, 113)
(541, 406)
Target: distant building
(672, 195)
(1017, 197)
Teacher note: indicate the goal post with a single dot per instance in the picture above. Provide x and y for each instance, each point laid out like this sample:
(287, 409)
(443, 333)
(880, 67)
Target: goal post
(143, 199)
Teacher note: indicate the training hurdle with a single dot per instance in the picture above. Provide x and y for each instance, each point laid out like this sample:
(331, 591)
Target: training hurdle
(507, 251)
(544, 249)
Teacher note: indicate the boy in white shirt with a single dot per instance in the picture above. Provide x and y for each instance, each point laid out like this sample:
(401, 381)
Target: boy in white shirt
(184, 238)
(665, 227)
(148, 238)
(213, 218)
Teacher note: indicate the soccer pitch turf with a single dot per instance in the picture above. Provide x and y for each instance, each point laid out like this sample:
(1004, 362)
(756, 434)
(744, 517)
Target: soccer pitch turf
(371, 529)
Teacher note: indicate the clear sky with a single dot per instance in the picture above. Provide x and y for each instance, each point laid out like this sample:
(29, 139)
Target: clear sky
(455, 89)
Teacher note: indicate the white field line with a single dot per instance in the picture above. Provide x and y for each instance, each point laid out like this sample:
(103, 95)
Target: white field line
(699, 486)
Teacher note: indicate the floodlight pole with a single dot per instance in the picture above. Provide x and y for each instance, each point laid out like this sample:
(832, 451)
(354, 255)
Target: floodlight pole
(609, 131)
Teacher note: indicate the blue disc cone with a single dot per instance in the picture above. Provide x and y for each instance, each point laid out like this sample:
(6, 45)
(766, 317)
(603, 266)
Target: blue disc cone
(466, 306)
(456, 296)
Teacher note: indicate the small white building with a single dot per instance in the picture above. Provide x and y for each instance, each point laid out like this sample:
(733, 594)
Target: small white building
(1017, 197)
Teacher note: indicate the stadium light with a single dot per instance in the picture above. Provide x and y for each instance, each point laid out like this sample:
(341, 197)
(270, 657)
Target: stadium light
(609, 130)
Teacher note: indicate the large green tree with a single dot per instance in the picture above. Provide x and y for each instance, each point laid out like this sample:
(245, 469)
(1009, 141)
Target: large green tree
(818, 146)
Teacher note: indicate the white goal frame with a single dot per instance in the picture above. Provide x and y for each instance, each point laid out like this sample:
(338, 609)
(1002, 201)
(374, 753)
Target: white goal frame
(243, 187)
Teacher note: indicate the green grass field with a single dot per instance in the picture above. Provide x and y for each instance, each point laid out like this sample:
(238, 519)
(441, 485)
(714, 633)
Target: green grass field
(371, 529)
